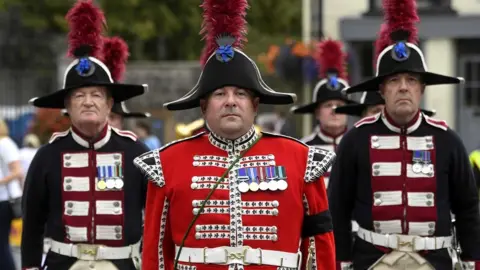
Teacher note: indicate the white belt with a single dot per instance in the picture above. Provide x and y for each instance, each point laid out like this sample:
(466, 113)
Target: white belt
(89, 252)
(240, 255)
(407, 243)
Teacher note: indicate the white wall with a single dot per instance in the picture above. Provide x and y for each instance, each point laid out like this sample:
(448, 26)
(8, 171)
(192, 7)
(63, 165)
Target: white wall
(336, 9)
(441, 98)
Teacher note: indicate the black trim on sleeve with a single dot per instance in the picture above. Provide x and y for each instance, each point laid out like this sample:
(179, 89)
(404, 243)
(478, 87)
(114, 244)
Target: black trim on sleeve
(317, 224)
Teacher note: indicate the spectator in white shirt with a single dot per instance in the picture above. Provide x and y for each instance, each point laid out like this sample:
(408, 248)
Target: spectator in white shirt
(31, 143)
(10, 189)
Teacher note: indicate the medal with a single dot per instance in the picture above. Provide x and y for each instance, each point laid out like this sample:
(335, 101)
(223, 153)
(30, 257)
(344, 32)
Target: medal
(427, 167)
(252, 179)
(254, 186)
(271, 178)
(417, 168)
(281, 183)
(110, 183)
(101, 185)
(272, 185)
(262, 177)
(243, 187)
(263, 185)
(118, 183)
(417, 158)
(242, 178)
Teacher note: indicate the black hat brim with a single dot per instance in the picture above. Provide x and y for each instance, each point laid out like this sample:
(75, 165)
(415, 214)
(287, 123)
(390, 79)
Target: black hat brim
(311, 107)
(241, 72)
(428, 113)
(119, 92)
(352, 109)
(428, 78)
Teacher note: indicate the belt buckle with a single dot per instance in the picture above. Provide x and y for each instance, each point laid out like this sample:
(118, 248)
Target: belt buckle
(89, 250)
(410, 244)
(234, 255)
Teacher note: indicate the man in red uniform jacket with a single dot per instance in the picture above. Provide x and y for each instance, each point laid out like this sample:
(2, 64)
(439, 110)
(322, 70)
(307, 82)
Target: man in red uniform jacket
(270, 210)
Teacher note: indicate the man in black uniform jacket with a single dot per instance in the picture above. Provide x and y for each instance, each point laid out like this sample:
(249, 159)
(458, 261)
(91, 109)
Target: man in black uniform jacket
(399, 173)
(76, 187)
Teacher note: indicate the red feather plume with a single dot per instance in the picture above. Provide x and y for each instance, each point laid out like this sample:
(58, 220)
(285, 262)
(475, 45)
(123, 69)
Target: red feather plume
(330, 56)
(223, 17)
(115, 55)
(86, 24)
(401, 15)
(382, 42)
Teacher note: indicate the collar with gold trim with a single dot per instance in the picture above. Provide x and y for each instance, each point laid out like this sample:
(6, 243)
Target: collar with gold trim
(239, 144)
(102, 138)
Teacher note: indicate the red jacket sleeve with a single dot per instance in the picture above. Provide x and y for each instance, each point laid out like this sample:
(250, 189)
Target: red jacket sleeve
(318, 241)
(158, 248)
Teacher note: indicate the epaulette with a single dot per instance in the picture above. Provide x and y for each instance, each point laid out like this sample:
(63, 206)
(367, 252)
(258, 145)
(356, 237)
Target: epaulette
(150, 163)
(57, 135)
(125, 133)
(441, 124)
(318, 160)
(368, 120)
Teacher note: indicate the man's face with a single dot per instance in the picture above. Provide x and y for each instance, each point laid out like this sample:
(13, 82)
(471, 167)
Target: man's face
(374, 109)
(325, 114)
(230, 111)
(115, 120)
(89, 105)
(402, 93)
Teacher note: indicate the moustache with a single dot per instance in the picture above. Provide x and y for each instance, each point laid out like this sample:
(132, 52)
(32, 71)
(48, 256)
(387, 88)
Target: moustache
(229, 111)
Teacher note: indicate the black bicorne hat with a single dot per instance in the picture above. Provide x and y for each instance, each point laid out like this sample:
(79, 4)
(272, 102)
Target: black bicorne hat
(331, 60)
(122, 110)
(85, 44)
(369, 98)
(325, 90)
(224, 62)
(397, 51)
(399, 58)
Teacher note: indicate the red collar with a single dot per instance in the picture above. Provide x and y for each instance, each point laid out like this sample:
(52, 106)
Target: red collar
(408, 128)
(102, 138)
(329, 138)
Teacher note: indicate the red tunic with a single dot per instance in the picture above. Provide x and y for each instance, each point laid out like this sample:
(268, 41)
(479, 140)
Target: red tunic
(184, 172)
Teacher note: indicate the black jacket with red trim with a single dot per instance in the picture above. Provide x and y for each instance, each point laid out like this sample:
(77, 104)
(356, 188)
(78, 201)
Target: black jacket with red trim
(373, 182)
(62, 199)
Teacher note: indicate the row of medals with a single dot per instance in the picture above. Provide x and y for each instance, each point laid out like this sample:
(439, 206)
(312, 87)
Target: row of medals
(422, 168)
(110, 183)
(272, 185)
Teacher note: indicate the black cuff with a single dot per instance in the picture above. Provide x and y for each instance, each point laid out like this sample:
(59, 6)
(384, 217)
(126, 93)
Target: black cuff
(317, 224)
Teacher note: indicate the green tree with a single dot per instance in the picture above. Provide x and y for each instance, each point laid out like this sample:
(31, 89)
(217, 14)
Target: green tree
(171, 26)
